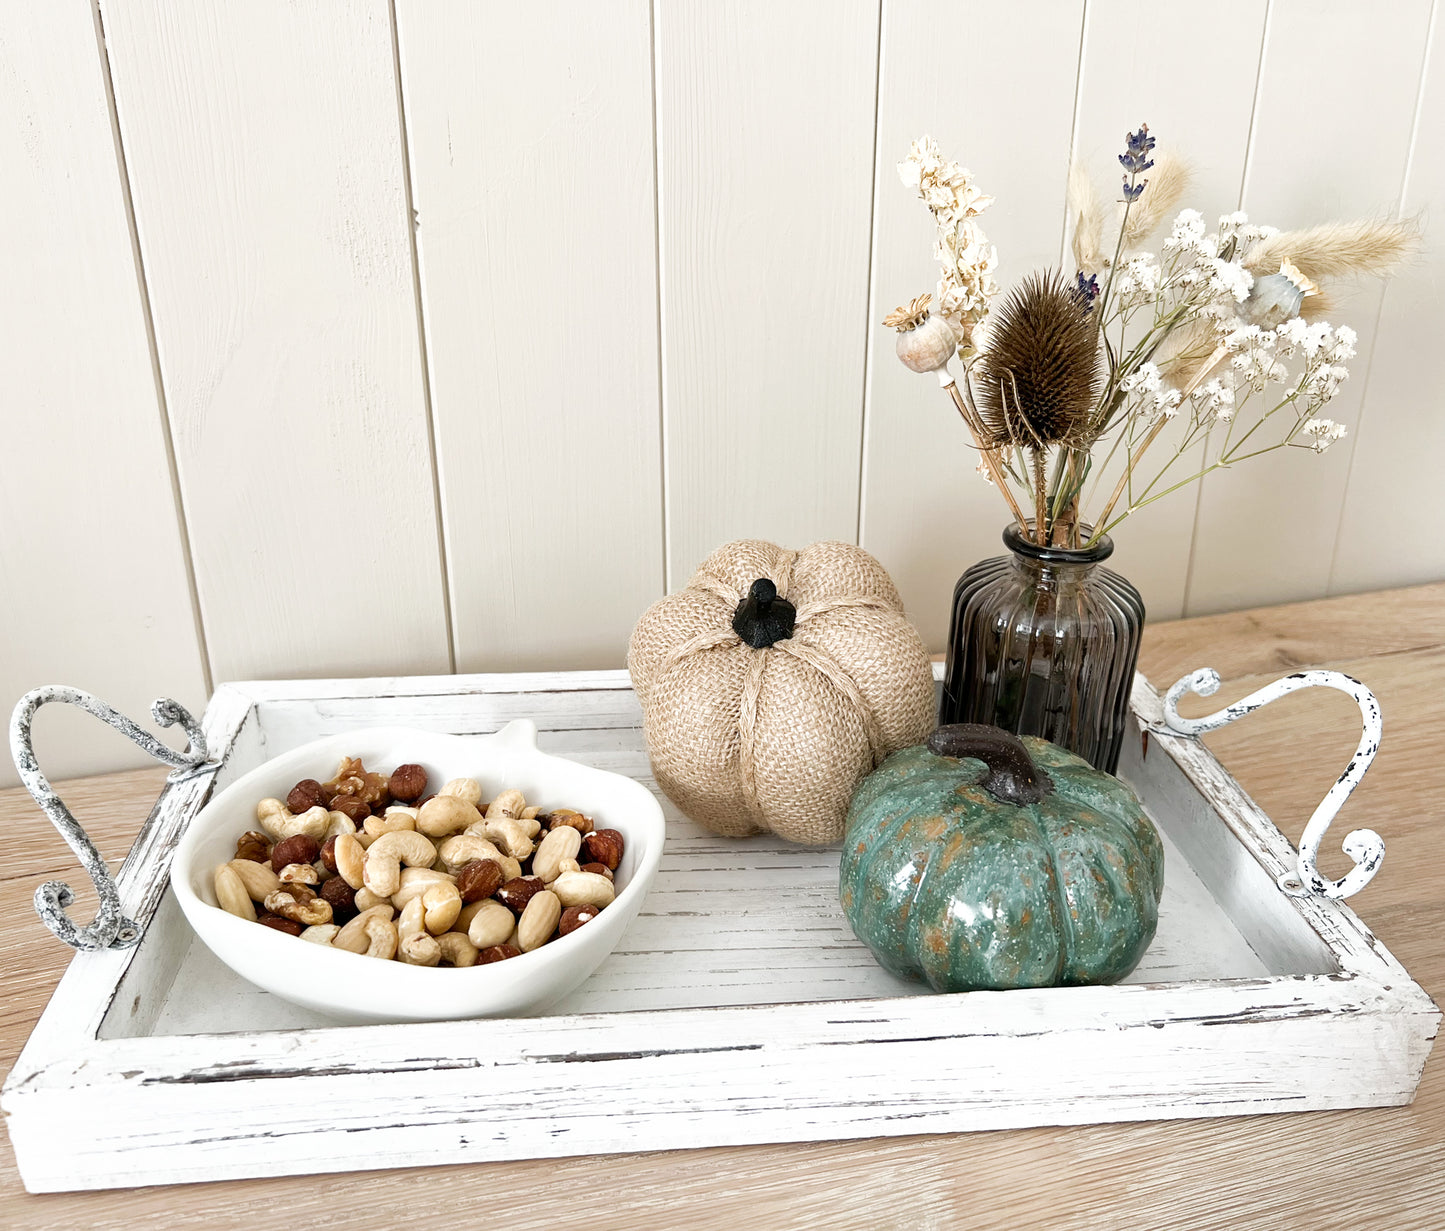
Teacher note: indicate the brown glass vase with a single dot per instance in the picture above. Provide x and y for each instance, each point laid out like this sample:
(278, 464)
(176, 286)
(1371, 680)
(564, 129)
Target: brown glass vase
(1043, 642)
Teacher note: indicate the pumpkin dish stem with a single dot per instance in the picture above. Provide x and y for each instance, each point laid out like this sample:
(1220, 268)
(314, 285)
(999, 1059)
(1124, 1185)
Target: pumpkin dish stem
(1012, 778)
(763, 618)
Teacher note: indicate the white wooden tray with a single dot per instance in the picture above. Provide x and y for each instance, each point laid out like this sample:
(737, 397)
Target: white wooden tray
(737, 1009)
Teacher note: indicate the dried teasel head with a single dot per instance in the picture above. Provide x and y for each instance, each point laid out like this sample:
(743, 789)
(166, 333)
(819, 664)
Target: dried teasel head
(925, 342)
(1037, 381)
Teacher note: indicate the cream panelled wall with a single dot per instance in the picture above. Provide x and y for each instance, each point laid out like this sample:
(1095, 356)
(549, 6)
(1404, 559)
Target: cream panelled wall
(345, 337)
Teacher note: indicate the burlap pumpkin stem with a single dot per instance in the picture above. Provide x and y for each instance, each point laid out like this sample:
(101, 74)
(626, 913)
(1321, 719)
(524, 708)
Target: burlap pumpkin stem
(774, 682)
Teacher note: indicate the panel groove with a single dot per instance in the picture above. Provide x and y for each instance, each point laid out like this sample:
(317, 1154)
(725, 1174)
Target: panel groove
(870, 303)
(413, 223)
(666, 510)
(143, 289)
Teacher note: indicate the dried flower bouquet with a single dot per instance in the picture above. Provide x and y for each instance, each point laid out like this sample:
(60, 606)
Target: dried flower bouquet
(1215, 344)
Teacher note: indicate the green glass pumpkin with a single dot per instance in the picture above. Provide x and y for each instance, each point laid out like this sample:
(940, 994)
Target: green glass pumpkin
(979, 860)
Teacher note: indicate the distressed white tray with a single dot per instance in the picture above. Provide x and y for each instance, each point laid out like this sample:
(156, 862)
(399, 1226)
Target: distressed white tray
(738, 1007)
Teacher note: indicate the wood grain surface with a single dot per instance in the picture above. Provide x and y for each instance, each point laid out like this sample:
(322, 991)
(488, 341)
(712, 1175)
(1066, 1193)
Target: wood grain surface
(1358, 1169)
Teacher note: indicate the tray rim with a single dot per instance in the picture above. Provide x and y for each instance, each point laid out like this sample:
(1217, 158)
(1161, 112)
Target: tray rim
(65, 1056)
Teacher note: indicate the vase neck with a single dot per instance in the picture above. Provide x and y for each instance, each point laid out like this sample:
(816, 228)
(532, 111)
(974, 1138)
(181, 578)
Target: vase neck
(1060, 565)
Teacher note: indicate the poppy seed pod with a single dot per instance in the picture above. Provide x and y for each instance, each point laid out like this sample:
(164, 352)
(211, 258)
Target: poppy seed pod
(1276, 298)
(925, 342)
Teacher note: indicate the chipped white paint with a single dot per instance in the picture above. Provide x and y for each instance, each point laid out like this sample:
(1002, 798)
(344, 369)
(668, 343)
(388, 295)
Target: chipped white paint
(1364, 846)
(803, 1040)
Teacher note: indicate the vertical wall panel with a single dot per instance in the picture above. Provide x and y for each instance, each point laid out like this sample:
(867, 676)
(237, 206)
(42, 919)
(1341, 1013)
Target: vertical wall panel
(1136, 71)
(765, 117)
(994, 84)
(1331, 135)
(264, 147)
(93, 586)
(530, 138)
(1390, 532)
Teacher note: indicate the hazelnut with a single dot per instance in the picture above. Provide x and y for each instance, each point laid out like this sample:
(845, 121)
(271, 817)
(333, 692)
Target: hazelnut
(342, 898)
(306, 794)
(253, 846)
(479, 879)
(328, 853)
(566, 816)
(297, 849)
(604, 846)
(289, 926)
(516, 893)
(600, 868)
(574, 917)
(351, 807)
(408, 783)
(497, 953)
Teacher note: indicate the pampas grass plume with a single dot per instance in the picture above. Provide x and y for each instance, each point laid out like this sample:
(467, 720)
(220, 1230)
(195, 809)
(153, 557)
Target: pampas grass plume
(1087, 212)
(1167, 184)
(1338, 249)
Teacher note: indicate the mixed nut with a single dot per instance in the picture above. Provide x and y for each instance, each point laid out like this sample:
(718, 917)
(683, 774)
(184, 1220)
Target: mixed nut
(370, 863)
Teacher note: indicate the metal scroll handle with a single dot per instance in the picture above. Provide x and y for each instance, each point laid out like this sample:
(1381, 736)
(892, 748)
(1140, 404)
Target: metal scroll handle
(110, 929)
(1364, 846)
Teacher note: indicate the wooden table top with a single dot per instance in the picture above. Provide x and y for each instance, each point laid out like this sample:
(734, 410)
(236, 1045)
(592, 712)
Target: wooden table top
(1358, 1169)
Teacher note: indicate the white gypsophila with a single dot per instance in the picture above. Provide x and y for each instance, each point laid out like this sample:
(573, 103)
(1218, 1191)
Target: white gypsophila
(1324, 432)
(1230, 224)
(1323, 383)
(1251, 235)
(1145, 379)
(1215, 398)
(1188, 231)
(1230, 278)
(1140, 277)
(1344, 348)
(1252, 355)
(1166, 402)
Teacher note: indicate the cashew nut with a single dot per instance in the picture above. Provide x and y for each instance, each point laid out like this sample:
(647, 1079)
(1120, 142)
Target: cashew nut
(277, 820)
(394, 821)
(412, 920)
(568, 865)
(468, 790)
(445, 814)
(257, 877)
(583, 889)
(509, 835)
(530, 813)
(321, 933)
(381, 938)
(382, 871)
(419, 950)
(353, 937)
(561, 843)
(457, 949)
(460, 849)
(443, 904)
(340, 824)
(538, 921)
(231, 894)
(507, 804)
(491, 924)
(365, 899)
(350, 858)
(416, 881)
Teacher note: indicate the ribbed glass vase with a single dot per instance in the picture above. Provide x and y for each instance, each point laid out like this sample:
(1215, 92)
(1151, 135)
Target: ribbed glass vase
(1043, 642)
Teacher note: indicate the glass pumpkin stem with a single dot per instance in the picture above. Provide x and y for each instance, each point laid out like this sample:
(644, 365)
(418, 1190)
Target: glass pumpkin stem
(1012, 778)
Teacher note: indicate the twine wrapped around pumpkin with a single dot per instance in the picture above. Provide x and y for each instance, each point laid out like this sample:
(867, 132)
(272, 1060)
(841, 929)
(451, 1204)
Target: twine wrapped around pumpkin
(774, 683)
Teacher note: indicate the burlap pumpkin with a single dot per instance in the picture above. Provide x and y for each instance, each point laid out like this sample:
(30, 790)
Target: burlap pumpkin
(763, 714)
